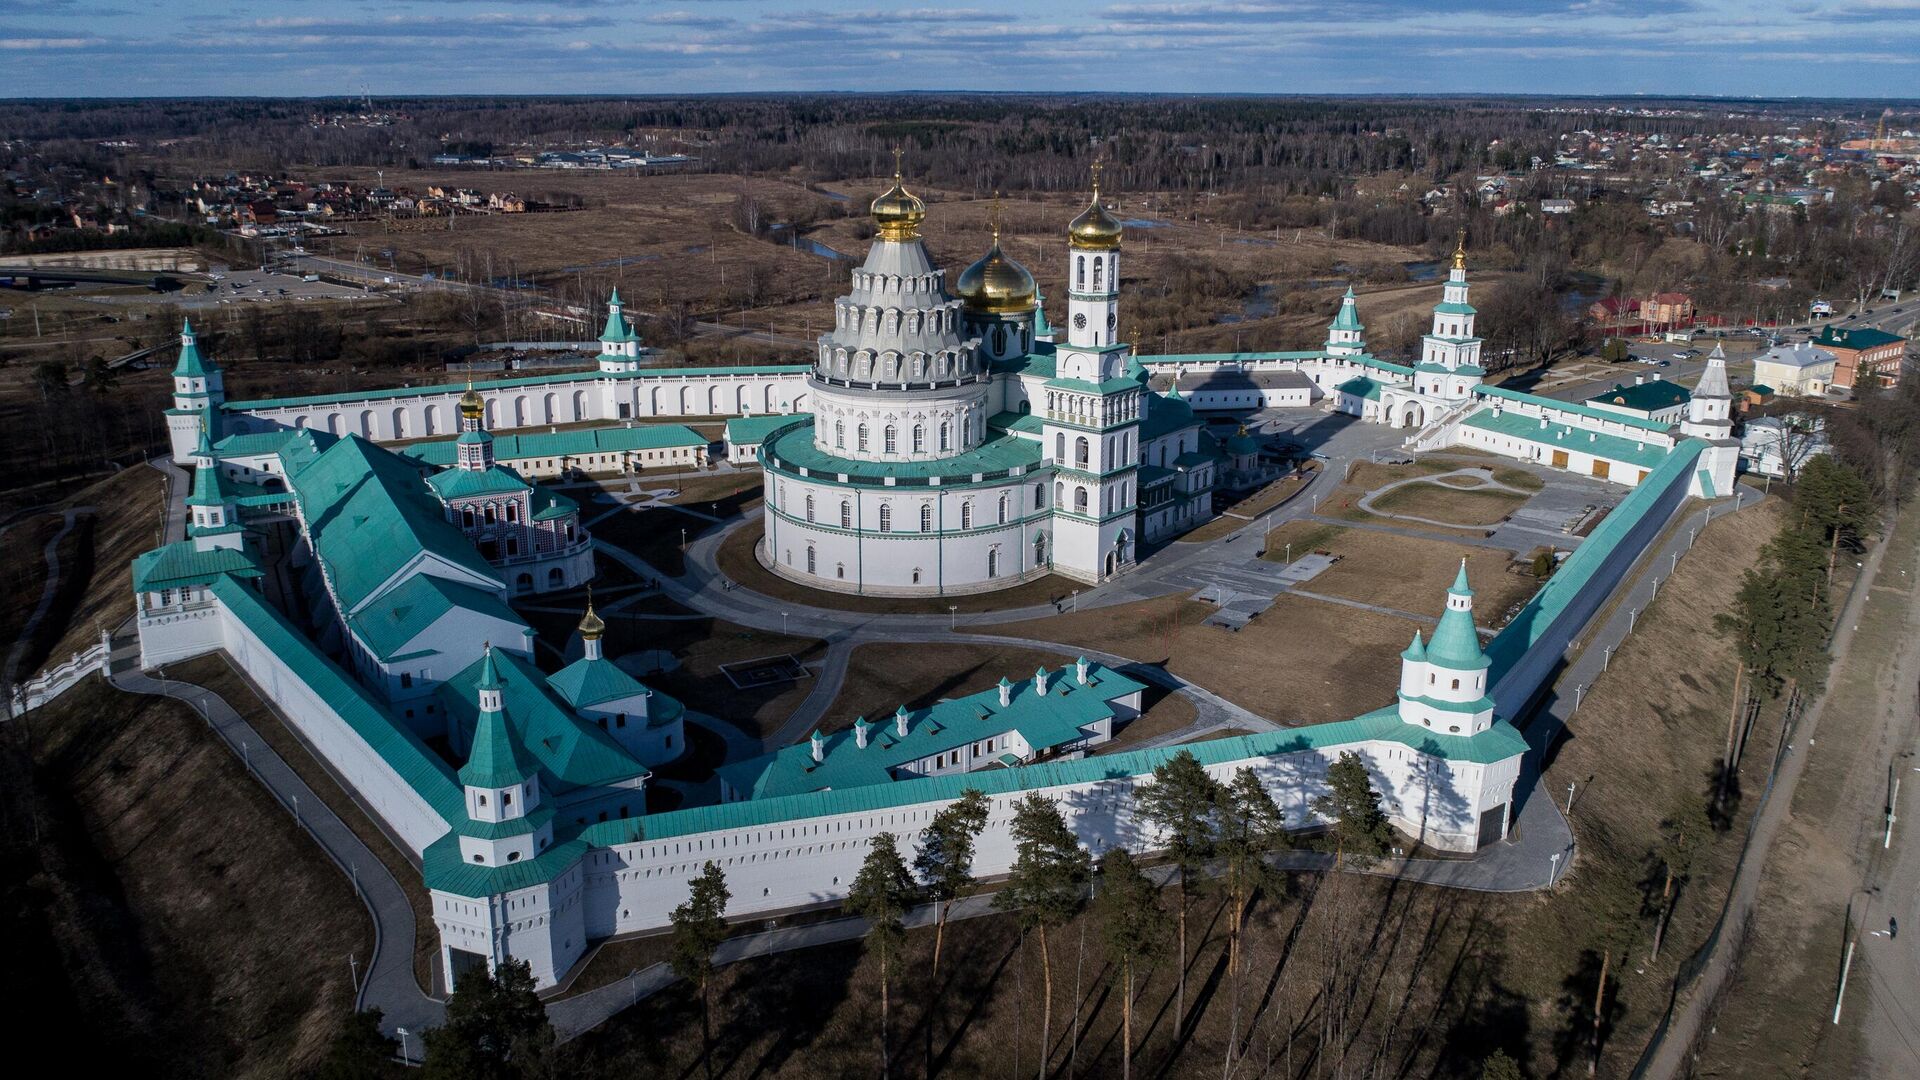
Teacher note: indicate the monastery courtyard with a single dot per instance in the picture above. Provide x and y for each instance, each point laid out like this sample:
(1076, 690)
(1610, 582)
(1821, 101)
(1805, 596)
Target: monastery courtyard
(1231, 629)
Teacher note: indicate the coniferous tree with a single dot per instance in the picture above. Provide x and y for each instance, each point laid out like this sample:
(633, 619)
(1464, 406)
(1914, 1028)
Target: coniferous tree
(1135, 926)
(1251, 828)
(1046, 887)
(1180, 803)
(1499, 1066)
(496, 1027)
(944, 863)
(1359, 828)
(880, 895)
(1683, 831)
(699, 926)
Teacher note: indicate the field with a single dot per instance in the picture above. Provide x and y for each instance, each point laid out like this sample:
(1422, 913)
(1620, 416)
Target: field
(168, 916)
(1435, 502)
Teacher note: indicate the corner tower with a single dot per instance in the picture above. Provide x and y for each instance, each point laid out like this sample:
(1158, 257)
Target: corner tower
(1710, 417)
(1443, 682)
(1344, 333)
(619, 345)
(198, 393)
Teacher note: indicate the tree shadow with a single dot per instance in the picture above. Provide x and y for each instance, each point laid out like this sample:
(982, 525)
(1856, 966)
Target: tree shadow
(1574, 1041)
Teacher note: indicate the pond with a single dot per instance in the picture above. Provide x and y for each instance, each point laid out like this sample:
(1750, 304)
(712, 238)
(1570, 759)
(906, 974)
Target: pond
(1143, 223)
(1259, 304)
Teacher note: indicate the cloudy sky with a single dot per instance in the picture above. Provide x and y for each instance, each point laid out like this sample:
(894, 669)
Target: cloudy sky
(271, 47)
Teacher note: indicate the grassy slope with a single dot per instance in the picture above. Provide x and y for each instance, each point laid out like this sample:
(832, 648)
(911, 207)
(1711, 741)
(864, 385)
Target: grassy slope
(164, 909)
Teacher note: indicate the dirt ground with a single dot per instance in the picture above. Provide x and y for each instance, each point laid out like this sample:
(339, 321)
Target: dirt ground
(1277, 666)
(166, 913)
(883, 676)
(1436, 503)
(126, 522)
(1244, 511)
(1414, 574)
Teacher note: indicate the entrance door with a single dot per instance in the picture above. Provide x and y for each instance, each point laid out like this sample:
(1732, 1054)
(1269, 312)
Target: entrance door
(1600, 468)
(1559, 459)
(460, 961)
(1491, 822)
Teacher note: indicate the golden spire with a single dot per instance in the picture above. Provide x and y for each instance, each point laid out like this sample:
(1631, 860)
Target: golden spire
(994, 217)
(1097, 166)
(1460, 250)
(897, 213)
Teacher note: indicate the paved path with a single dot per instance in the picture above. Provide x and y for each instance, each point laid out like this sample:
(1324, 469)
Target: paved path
(51, 553)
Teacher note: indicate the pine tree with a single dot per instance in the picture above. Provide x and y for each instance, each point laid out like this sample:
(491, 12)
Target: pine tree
(1683, 831)
(1251, 829)
(1179, 803)
(1135, 926)
(944, 863)
(1499, 1066)
(699, 926)
(360, 1050)
(1359, 830)
(1046, 886)
(496, 1027)
(880, 895)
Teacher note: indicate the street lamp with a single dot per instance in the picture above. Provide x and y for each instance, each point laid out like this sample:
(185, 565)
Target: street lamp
(1553, 868)
(783, 622)
(1076, 600)
(953, 617)
(408, 1058)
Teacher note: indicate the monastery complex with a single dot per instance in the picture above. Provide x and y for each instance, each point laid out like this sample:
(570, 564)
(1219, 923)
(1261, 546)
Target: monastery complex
(358, 556)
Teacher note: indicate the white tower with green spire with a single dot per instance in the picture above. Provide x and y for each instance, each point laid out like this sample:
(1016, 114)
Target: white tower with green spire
(619, 345)
(506, 820)
(198, 393)
(1710, 417)
(213, 507)
(1344, 333)
(1443, 682)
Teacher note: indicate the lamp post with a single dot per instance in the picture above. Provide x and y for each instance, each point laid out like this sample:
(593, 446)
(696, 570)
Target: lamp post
(1553, 868)
(407, 1058)
(953, 617)
(1076, 600)
(783, 622)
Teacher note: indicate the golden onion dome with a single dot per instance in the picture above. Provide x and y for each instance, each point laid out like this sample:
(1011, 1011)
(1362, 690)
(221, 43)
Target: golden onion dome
(472, 405)
(996, 284)
(591, 625)
(1095, 229)
(898, 212)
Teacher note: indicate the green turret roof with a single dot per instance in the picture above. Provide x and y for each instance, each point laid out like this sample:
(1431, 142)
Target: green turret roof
(190, 366)
(1041, 327)
(618, 328)
(496, 760)
(1417, 652)
(1456, 644)
(1349, 316)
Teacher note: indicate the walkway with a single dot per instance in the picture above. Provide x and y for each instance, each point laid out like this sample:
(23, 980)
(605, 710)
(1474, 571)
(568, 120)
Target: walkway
(51, 553)
(1485, 479)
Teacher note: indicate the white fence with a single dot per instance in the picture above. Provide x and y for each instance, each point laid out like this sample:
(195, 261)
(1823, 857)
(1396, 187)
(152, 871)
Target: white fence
(54, 681)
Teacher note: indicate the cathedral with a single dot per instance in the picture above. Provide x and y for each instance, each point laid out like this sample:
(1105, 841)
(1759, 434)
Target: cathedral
(953, 444)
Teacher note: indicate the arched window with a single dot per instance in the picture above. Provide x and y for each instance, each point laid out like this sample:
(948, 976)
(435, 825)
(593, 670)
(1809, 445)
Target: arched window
(1080, 271)
(466, 516)
(892, 439)
(809, 506)
(513, 511)
(993, 562)
(966, 514)
(886, 518)
(810, 562)
(1060, 446)
(946, 435)
(839, 434)
(1456, 684)
(846, 514)
(491, 513)
(1096, 273)
(920, 438)
(1039, 495)
(861, 435)
(926, 517)
(1003, 508)
(916, 575)
(1080, 500)
(1080, 451)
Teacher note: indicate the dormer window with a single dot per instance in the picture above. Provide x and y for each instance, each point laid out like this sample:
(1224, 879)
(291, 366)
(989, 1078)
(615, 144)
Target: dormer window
(506, 798)
(483, 800)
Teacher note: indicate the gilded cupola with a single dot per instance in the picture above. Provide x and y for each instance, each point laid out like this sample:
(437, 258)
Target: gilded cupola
(898, 212)
(996, 284)
(1095, 229)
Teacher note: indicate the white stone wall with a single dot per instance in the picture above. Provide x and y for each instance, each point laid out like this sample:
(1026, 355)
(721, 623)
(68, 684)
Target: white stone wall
(632, 887)
(839, 414)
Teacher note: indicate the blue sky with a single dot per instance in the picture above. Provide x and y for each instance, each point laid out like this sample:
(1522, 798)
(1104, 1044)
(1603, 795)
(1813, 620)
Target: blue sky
(270, 47)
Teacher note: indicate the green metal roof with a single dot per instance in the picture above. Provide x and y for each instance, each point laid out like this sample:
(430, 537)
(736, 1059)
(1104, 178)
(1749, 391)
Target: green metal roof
(1444, 308)
(1084, 386)
(1864, 337)
(570, 752)
(1043, 720)
(507, 384)
(618, 329)
(190, 365)
(792, 448)
(180, 563)
(576, 443)
(1349, 316)
(369, 514)
(753, 430)
(1646, 397)
(1569, 407)
(1024, 423)
(549, 504)
(1645, 454)
(586, 683)
(210, 486)
(262, 443)
(473, 483)
(1166, 414)
(1456, 644)
(496, 760)
(1362, 387)
(402, 613)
